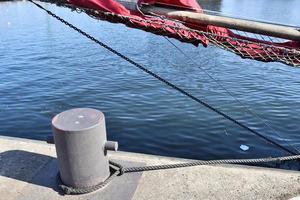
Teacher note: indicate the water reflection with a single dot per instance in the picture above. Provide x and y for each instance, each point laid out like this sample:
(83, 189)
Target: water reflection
(214, 5)
(286, 12)
(48, 68)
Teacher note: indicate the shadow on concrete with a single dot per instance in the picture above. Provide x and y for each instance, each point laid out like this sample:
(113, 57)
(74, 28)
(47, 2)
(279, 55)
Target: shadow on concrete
(29, 167)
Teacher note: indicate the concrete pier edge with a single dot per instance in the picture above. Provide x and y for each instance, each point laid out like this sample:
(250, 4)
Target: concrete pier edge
(19, 175)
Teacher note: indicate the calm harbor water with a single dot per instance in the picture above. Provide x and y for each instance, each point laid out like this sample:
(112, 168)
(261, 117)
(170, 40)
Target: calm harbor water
(47, 68)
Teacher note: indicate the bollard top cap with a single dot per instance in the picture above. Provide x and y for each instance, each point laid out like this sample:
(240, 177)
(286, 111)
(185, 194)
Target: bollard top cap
(78, 119)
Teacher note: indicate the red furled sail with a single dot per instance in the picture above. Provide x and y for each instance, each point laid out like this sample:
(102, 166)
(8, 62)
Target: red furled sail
(287, 52)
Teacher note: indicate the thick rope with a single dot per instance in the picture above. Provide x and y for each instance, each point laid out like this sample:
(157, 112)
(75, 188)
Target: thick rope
(120, 170)
(208, 162)
(72, 190)
(163, 80)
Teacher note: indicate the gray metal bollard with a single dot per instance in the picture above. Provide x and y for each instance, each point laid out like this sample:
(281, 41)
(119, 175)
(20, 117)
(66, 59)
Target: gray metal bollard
(81, 145)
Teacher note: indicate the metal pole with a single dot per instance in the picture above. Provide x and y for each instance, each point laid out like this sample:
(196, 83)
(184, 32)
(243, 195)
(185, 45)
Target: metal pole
(226, 22)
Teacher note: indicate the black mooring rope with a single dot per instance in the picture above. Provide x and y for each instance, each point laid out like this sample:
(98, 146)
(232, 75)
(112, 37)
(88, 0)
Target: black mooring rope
(115, 167)
(163, 80)
(119, 170)
(208, 162)
(253, 113)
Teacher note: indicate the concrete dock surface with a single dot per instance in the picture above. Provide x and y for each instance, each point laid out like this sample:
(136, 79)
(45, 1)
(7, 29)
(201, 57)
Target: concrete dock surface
(28, 170)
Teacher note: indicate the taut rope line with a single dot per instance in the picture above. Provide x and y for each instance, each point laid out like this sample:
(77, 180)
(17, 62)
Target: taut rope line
(182, 91)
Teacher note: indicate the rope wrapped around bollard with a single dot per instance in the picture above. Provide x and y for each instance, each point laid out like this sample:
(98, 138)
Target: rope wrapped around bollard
(82, 152)
(72, 190)
(120, 170)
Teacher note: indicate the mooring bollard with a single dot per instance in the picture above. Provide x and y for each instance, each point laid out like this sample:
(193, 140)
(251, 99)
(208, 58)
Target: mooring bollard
(81, 147)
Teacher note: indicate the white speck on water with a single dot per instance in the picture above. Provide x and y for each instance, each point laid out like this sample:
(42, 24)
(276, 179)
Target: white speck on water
(8, 23)
(244, 147)
(80, 116)
(77, 122)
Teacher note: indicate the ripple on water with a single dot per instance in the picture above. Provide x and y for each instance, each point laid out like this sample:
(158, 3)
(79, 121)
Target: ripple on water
(47, 68)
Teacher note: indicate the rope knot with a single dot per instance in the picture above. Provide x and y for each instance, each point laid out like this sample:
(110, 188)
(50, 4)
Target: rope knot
(65, 189)
(121, 171)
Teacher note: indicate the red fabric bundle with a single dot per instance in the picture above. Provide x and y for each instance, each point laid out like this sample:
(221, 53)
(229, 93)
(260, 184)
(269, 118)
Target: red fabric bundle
(246, 47)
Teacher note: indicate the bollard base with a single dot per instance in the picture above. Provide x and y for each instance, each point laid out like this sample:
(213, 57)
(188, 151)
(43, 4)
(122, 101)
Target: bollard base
(44, 183)
(114, 172)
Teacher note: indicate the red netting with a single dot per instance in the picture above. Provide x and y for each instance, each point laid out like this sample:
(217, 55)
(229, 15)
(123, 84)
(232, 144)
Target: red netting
(251, 46)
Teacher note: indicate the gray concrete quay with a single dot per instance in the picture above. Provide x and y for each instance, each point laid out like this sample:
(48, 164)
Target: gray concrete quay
(28, 170)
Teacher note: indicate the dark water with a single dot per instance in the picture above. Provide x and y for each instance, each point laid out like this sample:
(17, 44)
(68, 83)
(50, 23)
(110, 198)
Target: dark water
(47, 68)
